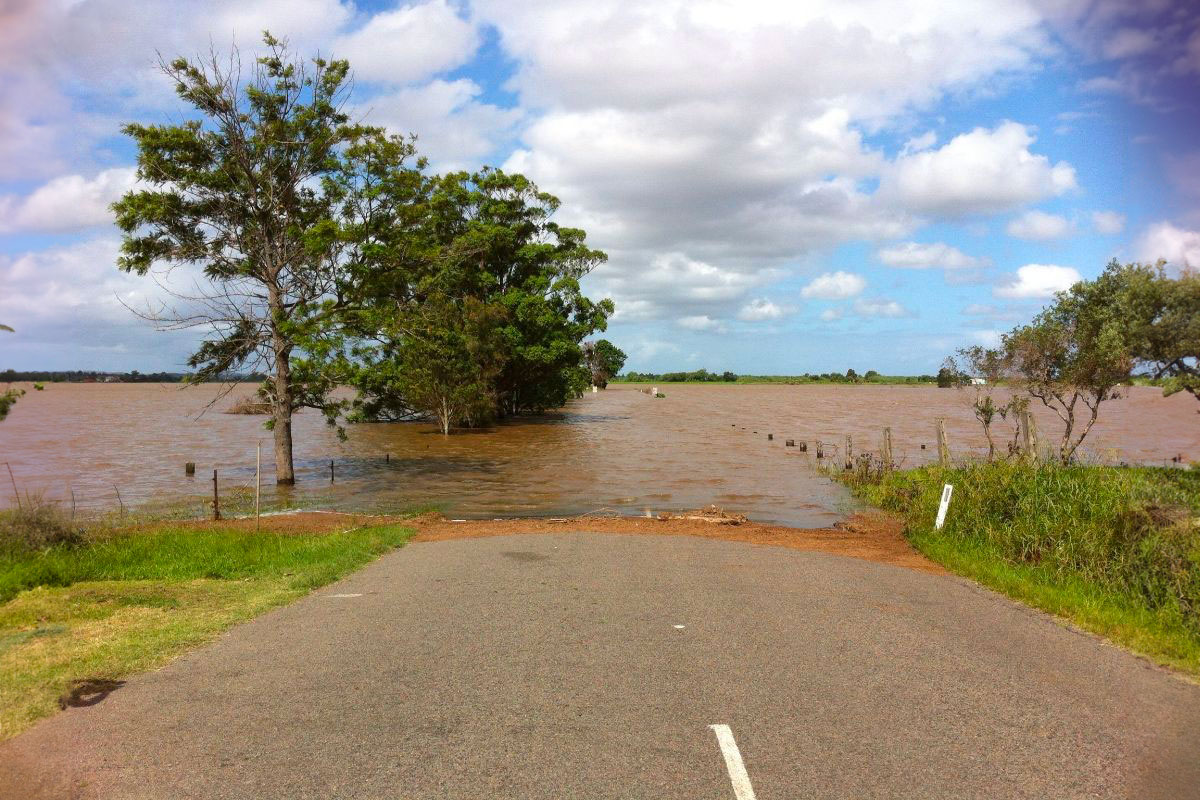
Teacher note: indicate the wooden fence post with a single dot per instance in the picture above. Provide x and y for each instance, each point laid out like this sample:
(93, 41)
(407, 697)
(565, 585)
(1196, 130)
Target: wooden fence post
(885, 449)
(942, 444)
(1029, 435)
(849, 451)
(216, 498)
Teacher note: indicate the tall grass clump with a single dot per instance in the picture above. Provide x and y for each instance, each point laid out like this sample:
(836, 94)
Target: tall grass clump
(36, 525)
(1131, 530)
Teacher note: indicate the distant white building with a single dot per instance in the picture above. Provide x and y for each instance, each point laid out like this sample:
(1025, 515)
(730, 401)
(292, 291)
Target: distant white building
(978, 381)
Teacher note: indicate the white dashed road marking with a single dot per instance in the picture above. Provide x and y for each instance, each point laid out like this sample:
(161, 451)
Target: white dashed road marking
(742, 790)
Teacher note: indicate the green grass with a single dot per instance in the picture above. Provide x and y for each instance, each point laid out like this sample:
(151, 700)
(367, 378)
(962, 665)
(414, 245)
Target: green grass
(133, 600)
(1115, 550)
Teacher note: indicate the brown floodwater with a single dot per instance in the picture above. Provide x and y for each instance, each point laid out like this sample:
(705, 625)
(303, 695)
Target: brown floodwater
(619, 449)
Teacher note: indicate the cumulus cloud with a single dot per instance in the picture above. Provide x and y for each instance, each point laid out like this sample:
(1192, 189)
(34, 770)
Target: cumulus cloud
(1178, 247)
(66, 203)
(984, 171)
(760, 310)
(934, 255)
(1108, 223)
(1038, 281)
(834, 286)
(409, 43)
(454, 129)
(880, 307)
(699, 322)
(1039, 226)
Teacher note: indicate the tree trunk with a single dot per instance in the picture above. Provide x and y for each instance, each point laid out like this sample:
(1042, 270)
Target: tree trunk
(281, 407)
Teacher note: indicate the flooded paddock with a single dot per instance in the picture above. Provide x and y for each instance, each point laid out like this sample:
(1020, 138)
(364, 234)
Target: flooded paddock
(619, 449)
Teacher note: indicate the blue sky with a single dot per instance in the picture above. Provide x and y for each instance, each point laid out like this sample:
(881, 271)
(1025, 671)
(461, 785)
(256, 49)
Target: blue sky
(781, 186)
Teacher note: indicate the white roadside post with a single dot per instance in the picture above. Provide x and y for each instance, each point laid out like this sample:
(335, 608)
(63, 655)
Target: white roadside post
(947, 491)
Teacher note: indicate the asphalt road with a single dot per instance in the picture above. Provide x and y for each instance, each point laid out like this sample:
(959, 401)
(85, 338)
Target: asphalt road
(554, 666)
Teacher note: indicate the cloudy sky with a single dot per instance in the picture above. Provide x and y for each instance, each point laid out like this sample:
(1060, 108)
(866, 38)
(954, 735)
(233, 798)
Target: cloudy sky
(781, 187)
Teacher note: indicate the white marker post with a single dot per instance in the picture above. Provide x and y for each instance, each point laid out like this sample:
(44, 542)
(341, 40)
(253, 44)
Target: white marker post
(947, 491)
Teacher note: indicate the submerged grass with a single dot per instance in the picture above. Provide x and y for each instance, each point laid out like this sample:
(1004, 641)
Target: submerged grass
(1115, 550)
(132, 600)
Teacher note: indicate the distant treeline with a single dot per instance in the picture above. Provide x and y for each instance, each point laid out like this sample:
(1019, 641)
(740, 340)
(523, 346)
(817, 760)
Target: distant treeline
(89, 376)
(704, 376)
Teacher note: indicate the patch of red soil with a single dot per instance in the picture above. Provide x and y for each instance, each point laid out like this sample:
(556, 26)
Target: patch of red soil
(872, 536)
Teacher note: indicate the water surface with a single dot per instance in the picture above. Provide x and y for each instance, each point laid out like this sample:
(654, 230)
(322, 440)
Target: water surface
(619, 449)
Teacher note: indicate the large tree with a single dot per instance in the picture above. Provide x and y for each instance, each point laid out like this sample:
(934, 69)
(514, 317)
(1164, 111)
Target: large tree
(252, 190)
(485, 241)
(1164, 313)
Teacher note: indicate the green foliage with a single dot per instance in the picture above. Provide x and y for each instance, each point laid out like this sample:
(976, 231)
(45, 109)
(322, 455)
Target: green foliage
(946, 378)
(1126, 532)
(484, 243)
(9, 397)
(604, 359)
(249, 190)
(1162, 315)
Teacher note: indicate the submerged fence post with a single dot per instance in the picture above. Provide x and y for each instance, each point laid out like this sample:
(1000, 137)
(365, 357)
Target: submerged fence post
(331, 470)
(189, 468)
(216, 498)
(885, 449)
(942, 444)
(849, 451)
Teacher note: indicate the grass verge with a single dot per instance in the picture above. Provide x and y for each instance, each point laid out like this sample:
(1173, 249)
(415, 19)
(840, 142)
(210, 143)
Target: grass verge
(132, 600)
(1115, 550)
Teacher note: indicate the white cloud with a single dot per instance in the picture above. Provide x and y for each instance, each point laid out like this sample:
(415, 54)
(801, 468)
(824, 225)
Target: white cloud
(831, 314)
(880, 307)
(1038, 281)
(1178, 247)
(760, 309)
(987, 337)
(1108, 223)
(980, 310)
(409, 43)
(700, 322)
(984, 171)
(834, 286)
(66, 203)
(934, 255)
(454, 130)
(1039, 226)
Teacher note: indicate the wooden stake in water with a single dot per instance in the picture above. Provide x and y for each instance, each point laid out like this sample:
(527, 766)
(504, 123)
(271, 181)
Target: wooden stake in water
(942, 443)
(216, 498)
(849, 451)
(885, 449)
(257, 484)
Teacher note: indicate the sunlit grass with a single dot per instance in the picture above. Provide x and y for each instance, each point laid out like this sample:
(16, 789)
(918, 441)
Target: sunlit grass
(1116, 550)
(133, 600)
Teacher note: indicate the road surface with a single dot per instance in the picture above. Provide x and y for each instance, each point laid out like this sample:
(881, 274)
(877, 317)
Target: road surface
(580, 665)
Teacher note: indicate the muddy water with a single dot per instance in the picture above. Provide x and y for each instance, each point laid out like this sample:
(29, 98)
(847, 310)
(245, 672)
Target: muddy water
(618, 449)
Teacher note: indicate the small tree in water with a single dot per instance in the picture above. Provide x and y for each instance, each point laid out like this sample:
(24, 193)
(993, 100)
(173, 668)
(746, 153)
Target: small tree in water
(9, 398)
(1079, 351)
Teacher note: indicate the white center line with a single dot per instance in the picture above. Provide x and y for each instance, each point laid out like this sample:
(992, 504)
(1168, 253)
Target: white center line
(742, 789)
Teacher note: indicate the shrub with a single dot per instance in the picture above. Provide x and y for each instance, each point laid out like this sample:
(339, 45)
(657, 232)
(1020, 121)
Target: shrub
(36, 525)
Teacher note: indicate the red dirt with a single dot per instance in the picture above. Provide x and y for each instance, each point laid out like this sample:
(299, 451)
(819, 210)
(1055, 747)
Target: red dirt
(872, 536)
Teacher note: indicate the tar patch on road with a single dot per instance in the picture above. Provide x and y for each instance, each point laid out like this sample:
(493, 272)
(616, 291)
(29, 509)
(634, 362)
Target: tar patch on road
(526, 556)
(88, 692)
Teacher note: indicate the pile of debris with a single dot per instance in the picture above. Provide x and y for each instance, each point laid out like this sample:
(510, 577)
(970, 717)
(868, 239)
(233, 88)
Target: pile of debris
(713, 514)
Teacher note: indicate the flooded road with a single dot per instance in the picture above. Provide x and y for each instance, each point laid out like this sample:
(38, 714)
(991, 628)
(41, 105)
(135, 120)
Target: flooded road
(619, 449)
